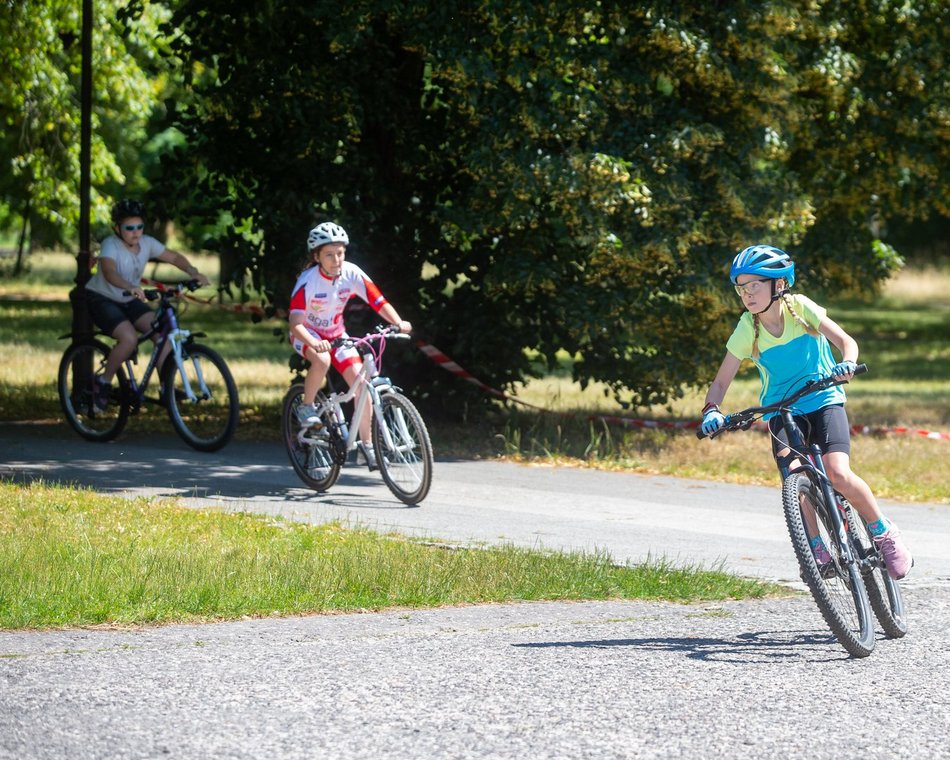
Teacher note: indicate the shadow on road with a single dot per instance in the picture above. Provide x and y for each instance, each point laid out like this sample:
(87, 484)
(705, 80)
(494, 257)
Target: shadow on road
(163, 466)
(761, 646)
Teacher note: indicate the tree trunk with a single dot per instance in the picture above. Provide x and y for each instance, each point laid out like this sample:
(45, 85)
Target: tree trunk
(18, 267)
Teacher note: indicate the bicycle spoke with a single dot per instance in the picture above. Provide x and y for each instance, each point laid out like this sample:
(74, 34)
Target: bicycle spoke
(201, 398)
(311, 450)
(883, 591)
(837, 587)
(91, 413)
(403, 450)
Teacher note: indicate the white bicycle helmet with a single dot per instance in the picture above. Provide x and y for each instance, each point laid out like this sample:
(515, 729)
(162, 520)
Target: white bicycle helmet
(327, 232)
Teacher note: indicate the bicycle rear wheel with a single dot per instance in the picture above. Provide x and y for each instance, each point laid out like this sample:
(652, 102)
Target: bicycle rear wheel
(884, 592)
(82, 362)
(311, 451)
(403, 449)
(208, 422)
(838, 589)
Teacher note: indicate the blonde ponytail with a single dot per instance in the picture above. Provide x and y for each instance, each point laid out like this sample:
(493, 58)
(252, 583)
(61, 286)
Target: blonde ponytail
(755, 336)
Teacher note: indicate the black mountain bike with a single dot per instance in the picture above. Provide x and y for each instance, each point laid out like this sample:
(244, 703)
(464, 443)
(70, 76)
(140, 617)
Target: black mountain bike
(856, 580)
(196, 386)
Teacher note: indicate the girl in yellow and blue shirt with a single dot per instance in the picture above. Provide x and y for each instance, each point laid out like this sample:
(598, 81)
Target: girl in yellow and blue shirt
(789, 338)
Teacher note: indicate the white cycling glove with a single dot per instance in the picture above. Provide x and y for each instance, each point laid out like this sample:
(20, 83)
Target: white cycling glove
(712, 421)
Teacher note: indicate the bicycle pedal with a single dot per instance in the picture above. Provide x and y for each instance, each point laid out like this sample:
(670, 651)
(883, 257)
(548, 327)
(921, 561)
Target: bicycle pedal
(827, 570)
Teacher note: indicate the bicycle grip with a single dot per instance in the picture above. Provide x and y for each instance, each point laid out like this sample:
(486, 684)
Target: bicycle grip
(861, 369)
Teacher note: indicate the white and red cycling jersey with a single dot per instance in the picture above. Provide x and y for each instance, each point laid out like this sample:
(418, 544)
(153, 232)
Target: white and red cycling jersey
(322, 299)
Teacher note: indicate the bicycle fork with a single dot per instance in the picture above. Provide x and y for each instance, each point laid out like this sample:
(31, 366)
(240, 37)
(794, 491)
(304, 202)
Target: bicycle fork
(814, 464)
(836, 510)
(178, 338)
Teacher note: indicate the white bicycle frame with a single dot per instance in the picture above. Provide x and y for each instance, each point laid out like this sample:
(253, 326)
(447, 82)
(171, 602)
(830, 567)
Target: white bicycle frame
(372, 384)
(178, 337)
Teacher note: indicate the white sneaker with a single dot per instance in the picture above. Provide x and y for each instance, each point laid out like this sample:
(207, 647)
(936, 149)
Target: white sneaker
(307, 416)
(369, 454)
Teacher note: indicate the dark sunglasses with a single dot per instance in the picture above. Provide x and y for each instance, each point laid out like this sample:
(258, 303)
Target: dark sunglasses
(133, 227)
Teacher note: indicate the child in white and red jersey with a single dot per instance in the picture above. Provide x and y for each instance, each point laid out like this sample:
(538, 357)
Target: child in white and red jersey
(316, 318)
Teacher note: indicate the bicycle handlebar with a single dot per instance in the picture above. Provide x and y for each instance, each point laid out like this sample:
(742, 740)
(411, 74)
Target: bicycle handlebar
(742, 420)
(383, 332)
(169, 290)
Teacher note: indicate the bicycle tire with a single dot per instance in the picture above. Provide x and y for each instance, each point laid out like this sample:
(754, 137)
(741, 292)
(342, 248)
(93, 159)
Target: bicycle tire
(82, 361)
(406, 465)
(208, 423)
(841, 597)
(884, 592)
(310, 453)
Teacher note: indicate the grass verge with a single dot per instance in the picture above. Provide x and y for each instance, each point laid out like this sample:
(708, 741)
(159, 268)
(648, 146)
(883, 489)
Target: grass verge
(69, 557)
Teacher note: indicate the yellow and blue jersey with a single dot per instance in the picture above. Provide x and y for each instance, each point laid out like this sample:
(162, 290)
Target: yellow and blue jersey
(786, 362)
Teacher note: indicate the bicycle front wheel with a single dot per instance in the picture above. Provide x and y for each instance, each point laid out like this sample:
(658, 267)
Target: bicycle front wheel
(403, 449)
(883, 591)
(90, 415)
(836, 586)
(201, 397)
(311, 450)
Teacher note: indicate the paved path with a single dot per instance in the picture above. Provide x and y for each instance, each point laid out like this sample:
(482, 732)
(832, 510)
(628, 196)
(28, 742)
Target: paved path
(592, 680)
(575, 680)
(632, 516)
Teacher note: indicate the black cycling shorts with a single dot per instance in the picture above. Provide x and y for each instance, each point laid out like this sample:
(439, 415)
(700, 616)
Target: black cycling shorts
(828, 427)
(109, 314)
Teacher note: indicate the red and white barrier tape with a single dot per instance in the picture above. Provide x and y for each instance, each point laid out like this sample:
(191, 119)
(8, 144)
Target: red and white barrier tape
(449, 365)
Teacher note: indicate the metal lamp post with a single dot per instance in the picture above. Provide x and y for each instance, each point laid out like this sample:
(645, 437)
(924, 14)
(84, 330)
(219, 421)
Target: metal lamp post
(82, 324)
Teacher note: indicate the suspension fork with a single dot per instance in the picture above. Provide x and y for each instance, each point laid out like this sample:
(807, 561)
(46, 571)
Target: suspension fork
(835, 510)
(819, 477)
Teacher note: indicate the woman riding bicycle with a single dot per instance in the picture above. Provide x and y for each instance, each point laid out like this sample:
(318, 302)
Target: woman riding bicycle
(787, 338)
(316, 318)
(122, 262)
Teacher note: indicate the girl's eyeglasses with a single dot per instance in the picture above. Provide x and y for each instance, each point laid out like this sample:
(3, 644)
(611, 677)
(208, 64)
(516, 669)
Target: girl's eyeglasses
(752, 287)
(133, 227)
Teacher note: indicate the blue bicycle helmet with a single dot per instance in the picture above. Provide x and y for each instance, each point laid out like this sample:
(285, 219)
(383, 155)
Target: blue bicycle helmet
(765, 261)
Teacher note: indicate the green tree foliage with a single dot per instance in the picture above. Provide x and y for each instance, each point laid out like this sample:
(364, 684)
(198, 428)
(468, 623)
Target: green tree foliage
(873, 148)
(563, 175)
(40, 64)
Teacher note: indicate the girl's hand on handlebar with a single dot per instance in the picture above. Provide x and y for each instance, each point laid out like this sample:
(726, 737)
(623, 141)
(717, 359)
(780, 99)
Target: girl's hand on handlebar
(712, 421)
(845, 370)
(404, 326)
(321, 346)
(137, 293)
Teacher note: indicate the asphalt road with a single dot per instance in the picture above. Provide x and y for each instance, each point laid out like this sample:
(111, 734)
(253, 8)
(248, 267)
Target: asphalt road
(632, 516)
(617, 679)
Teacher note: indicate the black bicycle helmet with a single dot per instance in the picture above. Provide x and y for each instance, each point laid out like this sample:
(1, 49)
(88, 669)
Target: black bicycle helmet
(126, 208)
